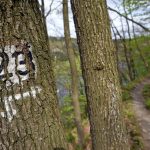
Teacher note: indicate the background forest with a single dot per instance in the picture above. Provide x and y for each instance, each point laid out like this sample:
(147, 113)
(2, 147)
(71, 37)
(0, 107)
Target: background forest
(130, 32)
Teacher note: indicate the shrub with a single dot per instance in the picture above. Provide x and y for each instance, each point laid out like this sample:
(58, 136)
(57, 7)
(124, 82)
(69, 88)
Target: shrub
(147, 103)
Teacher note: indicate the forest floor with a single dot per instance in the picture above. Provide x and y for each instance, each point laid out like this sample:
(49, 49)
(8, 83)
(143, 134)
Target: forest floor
(142, 114)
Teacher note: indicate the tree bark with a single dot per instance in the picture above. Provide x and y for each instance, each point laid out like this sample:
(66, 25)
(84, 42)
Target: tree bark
(29, 115)
(100, 75)
(74, 75)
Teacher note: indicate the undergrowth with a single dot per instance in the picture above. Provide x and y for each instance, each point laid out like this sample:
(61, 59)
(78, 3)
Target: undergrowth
(146, 94)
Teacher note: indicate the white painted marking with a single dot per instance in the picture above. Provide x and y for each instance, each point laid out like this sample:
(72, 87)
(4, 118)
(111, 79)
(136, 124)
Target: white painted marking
(16, 55)
(10, 111)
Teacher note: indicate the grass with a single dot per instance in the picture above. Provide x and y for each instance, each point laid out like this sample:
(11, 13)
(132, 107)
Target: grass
(146, 94)
(147, 103)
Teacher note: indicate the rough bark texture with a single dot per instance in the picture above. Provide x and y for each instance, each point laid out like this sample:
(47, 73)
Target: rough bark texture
(100, 75)
(33, 122)
(74, 75)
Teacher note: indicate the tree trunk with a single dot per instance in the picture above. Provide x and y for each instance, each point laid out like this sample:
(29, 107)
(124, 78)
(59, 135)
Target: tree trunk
(29, 116)
(74, 75)
(100, 75)
(128, 51)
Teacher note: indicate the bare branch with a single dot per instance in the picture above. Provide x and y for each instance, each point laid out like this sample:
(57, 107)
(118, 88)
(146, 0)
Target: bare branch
(50, 9)
(143, 27)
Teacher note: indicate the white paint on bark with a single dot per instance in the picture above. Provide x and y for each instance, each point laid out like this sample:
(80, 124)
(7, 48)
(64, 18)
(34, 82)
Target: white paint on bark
(13, 65)
(13, 71)
(10, 112)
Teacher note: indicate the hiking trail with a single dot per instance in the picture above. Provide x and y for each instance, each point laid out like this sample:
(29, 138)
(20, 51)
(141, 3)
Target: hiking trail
(141, 113)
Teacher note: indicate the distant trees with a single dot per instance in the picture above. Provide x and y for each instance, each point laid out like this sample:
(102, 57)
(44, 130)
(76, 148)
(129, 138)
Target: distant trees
(128, 36)
(142, 7)
(29, 115)
(100, 75)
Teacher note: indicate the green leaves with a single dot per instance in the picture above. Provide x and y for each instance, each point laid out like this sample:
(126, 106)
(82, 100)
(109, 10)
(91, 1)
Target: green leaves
(146, 94)
(133, 5)
(138, 8)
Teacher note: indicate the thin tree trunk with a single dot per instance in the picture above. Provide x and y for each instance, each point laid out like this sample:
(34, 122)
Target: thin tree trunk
(100, 75)
(137, 45)
(130, 47)
(29, 115)
(74, 75)
(121, 74)
(126, 51)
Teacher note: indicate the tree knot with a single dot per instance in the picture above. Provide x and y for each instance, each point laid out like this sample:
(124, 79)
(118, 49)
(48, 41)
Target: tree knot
(98, 66)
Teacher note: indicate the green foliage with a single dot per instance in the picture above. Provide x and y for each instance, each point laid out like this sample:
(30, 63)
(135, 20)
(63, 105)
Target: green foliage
(138, 45)
(147, 103)
(67, 113)
(138, 8)
(129, 113)
(146, 94)
(146, 91)
(133, 5)
(141, 43)
(70, 137)
(126, 89)
(126, 95)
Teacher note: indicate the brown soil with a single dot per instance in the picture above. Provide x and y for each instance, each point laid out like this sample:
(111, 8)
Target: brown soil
(142, 114)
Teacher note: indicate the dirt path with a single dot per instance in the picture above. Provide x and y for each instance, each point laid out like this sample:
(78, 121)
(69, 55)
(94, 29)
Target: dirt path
(142, 114)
